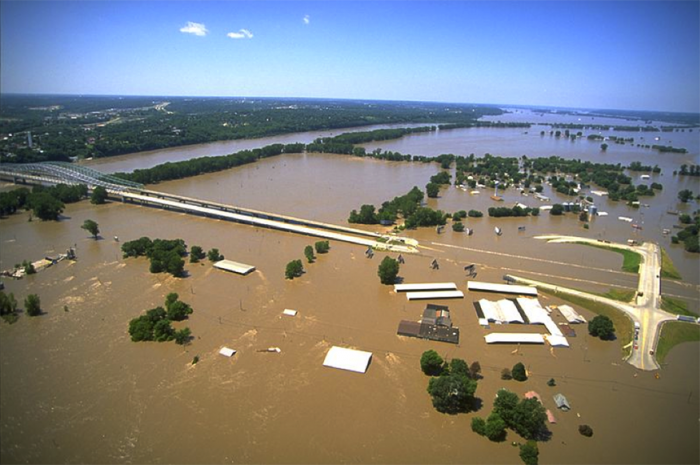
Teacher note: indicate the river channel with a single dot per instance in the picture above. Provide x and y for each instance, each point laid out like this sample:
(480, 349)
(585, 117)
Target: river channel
(74, 388)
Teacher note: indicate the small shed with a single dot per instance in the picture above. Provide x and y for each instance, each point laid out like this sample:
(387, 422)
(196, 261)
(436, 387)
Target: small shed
(561, 402)
(235, 267)
(227, 352)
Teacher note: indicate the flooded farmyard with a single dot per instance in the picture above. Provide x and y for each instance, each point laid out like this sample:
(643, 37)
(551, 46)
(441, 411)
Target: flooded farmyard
(74, 388)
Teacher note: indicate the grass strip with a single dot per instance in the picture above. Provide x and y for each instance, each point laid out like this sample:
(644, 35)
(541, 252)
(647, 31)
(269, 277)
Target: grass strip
(630, 262)
(674, 333)
(623, 295)
(624, 328)
(675, 306)
(668, 269)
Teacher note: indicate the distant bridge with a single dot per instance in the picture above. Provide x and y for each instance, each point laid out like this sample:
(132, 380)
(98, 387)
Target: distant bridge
(131, 192)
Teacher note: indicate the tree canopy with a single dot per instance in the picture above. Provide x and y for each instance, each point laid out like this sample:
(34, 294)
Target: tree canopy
(388, 270)
(431, 363)
(601, 326)
(92, 227)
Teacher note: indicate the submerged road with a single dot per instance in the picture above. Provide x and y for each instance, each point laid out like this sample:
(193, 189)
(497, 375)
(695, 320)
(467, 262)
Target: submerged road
(645, 310)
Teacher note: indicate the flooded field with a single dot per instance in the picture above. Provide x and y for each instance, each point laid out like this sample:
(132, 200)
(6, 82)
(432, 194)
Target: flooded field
(74, 388)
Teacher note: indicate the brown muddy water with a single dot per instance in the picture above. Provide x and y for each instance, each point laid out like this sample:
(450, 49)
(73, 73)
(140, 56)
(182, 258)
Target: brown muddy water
(74, 388)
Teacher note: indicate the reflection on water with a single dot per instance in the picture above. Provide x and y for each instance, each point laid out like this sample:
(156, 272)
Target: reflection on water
(75, 389)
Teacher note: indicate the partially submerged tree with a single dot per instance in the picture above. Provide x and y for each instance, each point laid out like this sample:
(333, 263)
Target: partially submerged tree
(518, 372)
(32, 305)
(99, 195)
(294, 269)
(92, 227)
(309, 253)
(529, 452)
(388, 270)
(322, 247)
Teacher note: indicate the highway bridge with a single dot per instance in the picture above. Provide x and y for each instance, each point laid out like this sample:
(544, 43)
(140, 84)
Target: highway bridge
(52, 173)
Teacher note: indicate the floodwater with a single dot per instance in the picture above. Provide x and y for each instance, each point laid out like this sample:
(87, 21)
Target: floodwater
(74, 388)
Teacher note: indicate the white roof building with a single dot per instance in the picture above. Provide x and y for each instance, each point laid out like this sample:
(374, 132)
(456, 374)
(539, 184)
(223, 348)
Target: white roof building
(503, 311)
(514, 338)
(347, 359)
(571, 315)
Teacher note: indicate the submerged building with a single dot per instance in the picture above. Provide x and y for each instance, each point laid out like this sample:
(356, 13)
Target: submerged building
(435, 325)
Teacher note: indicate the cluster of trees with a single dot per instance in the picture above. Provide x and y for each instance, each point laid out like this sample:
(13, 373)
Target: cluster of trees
(165, 255)
(602, 327)
(693, 170)
(408, 206)
(452, 386)
(295, 268)
(46, 203)
(685, 195)
(155, 325)
(498, 212)
(526, 417)
(8, 306)
(689, 236)
(669, 149)
(637, 166)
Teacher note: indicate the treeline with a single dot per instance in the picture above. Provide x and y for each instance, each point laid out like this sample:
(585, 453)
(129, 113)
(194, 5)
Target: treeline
(669, 149)
(483, 124)
(693, 170)
(196, 166)
(46, 203)
(637, 166)
(164, 255)
(498, 212)
(689, 236)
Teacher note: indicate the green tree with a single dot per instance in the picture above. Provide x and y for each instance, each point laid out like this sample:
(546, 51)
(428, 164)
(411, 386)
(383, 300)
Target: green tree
(495, 428)
(505, 404)
(32, 305)
(475, 370)
(529, 452)
(475, 214)
(45, 206)
(99, 195)
(388, 270)
(162, 331)
(601, 326)
(479, 426)
(518, 372)
(8, 303)
(452, 393)
(603, 147)
(196, 254)
(182, 337)
(294, 269)
(309, 253)
(459, 366)
(432, 189)
(685, 195)
(557, 209)
(458, 226)
(141, 329)
(583, 216)
(92, 227)
(214, 255)
(431, 363)
(528, 419)
(178, 310)
(322, 247)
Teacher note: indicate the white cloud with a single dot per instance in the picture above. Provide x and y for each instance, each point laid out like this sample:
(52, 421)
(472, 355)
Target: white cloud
(306, 19)
(197, 29)
(242, 34)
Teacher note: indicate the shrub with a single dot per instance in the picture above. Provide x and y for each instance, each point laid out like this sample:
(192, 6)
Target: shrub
(214, 255)
(506, 374)
(551, 382)
(475, 214)
(585, 430)
(458, 227)
(196, 254)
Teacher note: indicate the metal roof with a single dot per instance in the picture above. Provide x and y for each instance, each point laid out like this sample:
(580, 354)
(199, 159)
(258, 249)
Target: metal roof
(425, 287)
(503, 288)
(514, 338)
(347, 359)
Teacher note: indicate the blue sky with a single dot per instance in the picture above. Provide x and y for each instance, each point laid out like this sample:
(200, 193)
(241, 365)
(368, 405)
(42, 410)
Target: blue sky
(621, 55)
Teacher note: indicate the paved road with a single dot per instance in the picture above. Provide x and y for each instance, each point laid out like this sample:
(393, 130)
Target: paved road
(644, 310)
